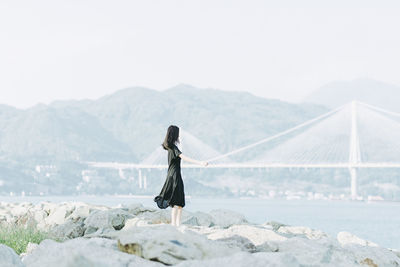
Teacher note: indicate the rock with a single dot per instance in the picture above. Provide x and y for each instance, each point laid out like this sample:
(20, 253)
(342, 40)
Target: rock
(48, 207)
(256, 234)
(275, 225)
(104, 220)
(302, 231)
(80, 212)
(8, 257)
(39, 216)
(149, 218)
(321, 252)
(203, 219)
(241, 259)
(226, 218)
(79, 252)
(19, 210)
(165, 244)
(373, 256)
(70, 229)
(135, 222)
(58, 215)
(31, 247)
(346, 238)
(268, 247)
(192, 220)
(26, 220)
(240, 242)
(157, 217)
(136, 208)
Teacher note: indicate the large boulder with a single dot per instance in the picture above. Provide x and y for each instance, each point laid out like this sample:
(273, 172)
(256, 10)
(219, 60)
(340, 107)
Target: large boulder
(166, 244)
(321, 252)
(226, 218)
(273, 225)
(156, 217)
(366, 252)
(135, 208)
(197, 219)
(70, 229)
(20, 209)
(100, 221)
(346, 238)
(246, 259)
(80, 212)
(8, 257)
(240, 242)
(302, 231)
(256, 234)
(373, 256)
(80, 252)
(59, 215)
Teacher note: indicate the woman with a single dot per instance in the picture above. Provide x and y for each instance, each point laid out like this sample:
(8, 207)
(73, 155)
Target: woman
(172, 194)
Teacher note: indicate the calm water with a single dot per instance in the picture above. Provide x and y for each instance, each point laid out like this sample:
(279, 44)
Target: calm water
(378, 222)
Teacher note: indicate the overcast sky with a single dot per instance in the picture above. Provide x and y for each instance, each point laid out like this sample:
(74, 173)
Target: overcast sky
(52, 49)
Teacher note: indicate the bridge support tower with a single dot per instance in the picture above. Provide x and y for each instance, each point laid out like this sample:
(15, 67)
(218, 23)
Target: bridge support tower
(354, 155)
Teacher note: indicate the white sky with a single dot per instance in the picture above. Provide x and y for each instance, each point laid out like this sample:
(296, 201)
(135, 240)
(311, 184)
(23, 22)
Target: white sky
(53, 49)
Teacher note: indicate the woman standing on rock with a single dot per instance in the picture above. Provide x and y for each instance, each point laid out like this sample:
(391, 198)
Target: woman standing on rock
(172, 194)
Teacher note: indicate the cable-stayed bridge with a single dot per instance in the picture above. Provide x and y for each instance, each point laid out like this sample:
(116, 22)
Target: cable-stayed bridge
(354, 136)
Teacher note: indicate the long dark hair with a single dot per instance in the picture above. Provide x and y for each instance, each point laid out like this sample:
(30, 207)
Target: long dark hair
(171, 138)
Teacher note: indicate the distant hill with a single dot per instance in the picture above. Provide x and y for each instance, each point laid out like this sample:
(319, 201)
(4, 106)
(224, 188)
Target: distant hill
(129, 124)
(43, 133)
(224, 120)
(370, 91)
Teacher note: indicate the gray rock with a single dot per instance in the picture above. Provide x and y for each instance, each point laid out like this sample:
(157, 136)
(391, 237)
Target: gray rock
(192, 220)
(261, 259)
(166, 244)
(156, 217)
(302, 231)
(80, 212)
(268, 247)
(103, 220)
(8, 257)
(204, 219)
(82, 252)
(256, 234)
(320, 252)
(226, 218)
(240, 242)
(373, 256)
(346, 238)
(136, 208)
(59, 214)
(275, 225)
(70, 229)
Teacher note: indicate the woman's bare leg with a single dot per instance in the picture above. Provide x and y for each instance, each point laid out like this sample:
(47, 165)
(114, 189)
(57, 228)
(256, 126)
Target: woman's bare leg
(178, 215)
(173, 215)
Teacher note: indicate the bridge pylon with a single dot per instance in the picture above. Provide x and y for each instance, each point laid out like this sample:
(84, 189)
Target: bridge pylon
(355, 154)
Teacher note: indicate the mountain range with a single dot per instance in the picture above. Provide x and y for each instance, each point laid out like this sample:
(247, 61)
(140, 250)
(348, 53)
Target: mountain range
(129, 124)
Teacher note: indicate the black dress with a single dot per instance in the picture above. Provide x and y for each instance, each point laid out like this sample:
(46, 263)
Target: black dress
(172, 192)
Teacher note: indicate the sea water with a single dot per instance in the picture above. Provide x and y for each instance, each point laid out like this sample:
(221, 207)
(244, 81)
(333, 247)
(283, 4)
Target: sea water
(378, 222)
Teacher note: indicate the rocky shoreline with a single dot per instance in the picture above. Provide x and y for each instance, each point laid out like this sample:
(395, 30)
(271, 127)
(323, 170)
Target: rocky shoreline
(134, 235)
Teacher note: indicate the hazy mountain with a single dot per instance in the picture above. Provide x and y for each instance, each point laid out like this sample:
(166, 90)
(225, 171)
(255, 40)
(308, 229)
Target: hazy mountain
(129, 124)
(370, 91)
(45, 133)
(139, 117)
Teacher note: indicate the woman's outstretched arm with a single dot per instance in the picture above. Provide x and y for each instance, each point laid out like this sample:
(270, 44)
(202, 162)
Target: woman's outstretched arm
(185, 158)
